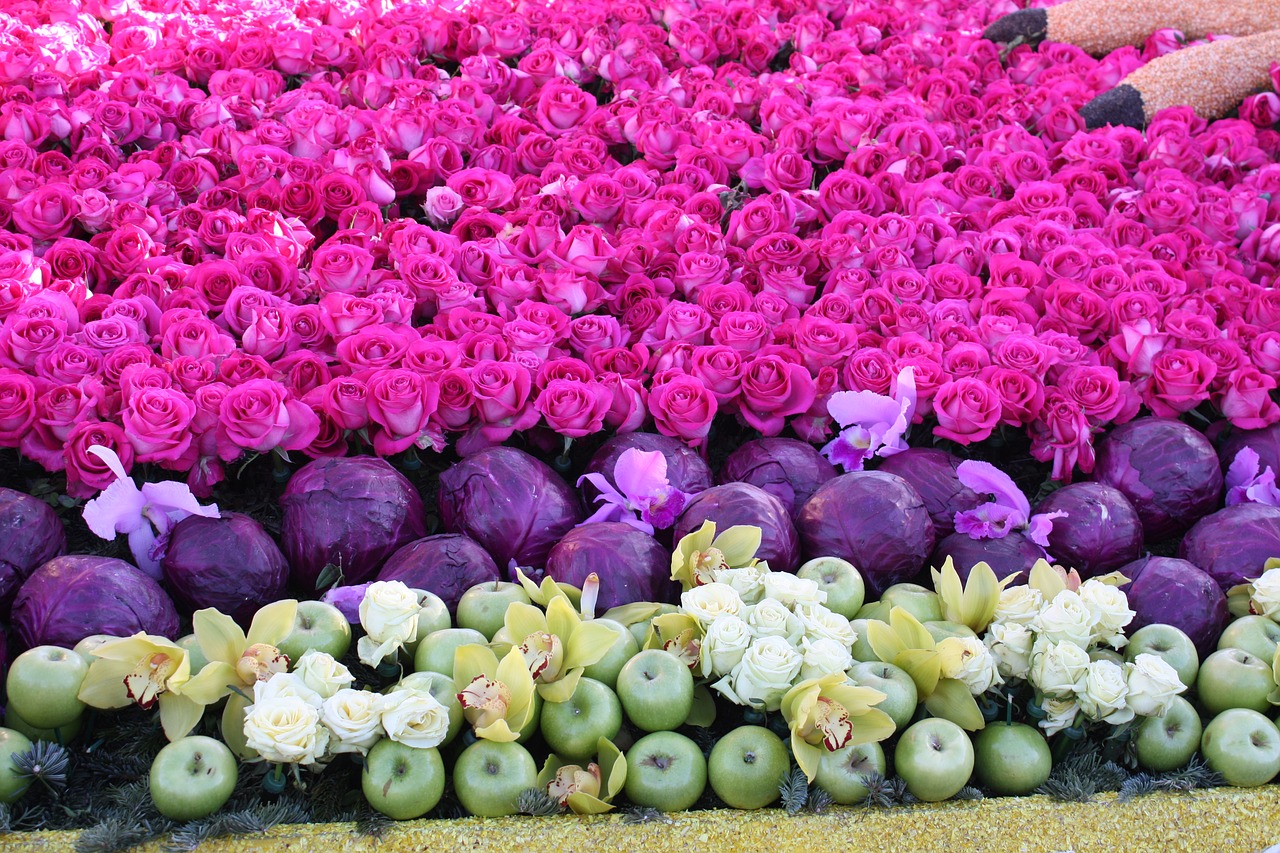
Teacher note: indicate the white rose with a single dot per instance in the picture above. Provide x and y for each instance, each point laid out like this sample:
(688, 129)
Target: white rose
(286, 685)
(1266, 594)
(748, 582)
(319, 671)
(354, 717)
(1058, 669)
(974, 666)
(1105, 695)
(1153, 684)
(764, 674)
(1019, 604)
(1010, 645)
(726, 641)
(823, 624)
(793, 591)
(415, 718)
(772, 618)
(710, 600)
(823, 657)
(1109, 607)
(1066, 619)
(389, 616)
(285, 729)
(1059, 714)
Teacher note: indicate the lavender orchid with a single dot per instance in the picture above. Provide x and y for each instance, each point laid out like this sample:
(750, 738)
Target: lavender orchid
(146, 515)
(642, 488)
(1009, 511)
(1246, 485)
(873, 424)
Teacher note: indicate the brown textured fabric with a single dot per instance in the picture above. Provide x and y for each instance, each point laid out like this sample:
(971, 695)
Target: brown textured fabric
(1100, 26)
(1210, 78)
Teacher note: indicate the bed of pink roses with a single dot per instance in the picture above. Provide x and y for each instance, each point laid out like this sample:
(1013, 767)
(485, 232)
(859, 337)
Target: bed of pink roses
(244, 227)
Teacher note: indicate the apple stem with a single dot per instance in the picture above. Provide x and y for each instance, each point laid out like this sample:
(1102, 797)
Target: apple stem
(1008, 709)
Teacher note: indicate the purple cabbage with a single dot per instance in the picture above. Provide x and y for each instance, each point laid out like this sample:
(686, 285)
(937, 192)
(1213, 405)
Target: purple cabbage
(1101, 530)
(69, 598)
(1265, 442)
(1167, 470)
(515, 506)
(789, 469)
(686, 470)
(932, 473)
(1014, 554)
(1233, 544)
(631, 565)
(1175, 592)
(31, 534)
(229, 563)
(876, 521)
(743, 503)
(447, 564)
(353, 513)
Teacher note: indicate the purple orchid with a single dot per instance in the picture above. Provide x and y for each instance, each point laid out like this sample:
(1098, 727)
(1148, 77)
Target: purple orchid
(642, 488)
(347, 599)
(1009, 511)
(874, 425)
(1246, 485)
(146, 515)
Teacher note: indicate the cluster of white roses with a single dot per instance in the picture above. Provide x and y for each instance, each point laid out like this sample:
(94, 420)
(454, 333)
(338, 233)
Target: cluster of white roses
(389, 616)
(764, 632)
(311, 714)
(1049, 644)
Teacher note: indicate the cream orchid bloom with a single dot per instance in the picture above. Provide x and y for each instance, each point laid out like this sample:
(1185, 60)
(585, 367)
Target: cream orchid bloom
(146, 670)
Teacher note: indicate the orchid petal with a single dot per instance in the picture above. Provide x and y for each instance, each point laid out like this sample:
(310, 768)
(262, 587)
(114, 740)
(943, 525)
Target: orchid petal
(272, 623)
(220, 638)
(211, 683)
(985, 478)
(107, 455)
(118, 509)
(1040, 526)
(179, 715)
(906, 392)
(1244, 468)
(170, 495)
(639, 473)
(952, 701)
(142, 543)
(862, 407)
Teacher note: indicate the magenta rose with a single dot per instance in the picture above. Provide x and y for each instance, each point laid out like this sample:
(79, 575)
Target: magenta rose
(158, 424)
(18, 395)
(772, 390)
(87, 474)
(1021, 394)
(720, 369)
(345, 401)
(1180, 381)
(48, 213)
(562, 106)
(967, 410)
(1247, 401)
(401, 402)
(574, 409)
(259, 416)
(501, 390)
(683, 408)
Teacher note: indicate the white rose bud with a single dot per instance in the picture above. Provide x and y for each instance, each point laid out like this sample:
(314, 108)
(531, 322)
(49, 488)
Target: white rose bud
(1109, 607)
(710, 600)
(1020, 604)
(747, 582)
(764, 674)
(1106, 693)
(415, 718)
(823, 657)
(1058, 669)
(1266, 595)
(726, 641)
(389, 616)
(285, 730)
(286, 684)
(1153, 684)
(1059, 714)
(974, 666)
(820, 623)
(793, 591)
(319, 671)
(354, 718)
(1066, 619)
(772, 618)
(1010, 645)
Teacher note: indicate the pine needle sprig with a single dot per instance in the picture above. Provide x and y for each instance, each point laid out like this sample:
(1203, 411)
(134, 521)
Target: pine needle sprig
(794, 788)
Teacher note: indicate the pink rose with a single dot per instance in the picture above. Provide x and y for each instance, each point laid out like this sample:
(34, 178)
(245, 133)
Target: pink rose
(344, 400)
(48, 213)
(259, 416)
(1180, 381)
(574, 409)
(1021, 394)
(87, 474)
(1063, 435)
(772, 390)
(627, 408)
(682, 408)
(501, 390)
(401, 402)
(967, 410)
(1100, 393)
(18, 395)
(157, 422)
(562, 106)
(1247, 400)
(457, 399)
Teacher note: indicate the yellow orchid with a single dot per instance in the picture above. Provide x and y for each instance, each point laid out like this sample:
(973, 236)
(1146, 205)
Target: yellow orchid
(497, 697)
(1051, 580)
(146, 670)
(557, 645)
(237, 661)
(1240, 597)
(828, 713)
(1274, 698)
(677, 633)
(702, 552)
(544, 593)
(589, 790)
(907, 644)
(972, 603)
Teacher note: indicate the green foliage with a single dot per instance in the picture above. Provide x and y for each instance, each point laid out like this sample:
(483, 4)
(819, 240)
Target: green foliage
(1081, 775)
(794, 788)
(536, 802)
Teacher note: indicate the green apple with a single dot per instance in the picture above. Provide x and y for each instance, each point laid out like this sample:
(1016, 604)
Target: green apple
(624, 648)
(62, 735)
(320, 626)
(941, 630)
(573, 727)
(12, 786)
(489, 776)
(840, 581)
(1011, 759)
(935, 758)
(441, 687)
(1167, 743)
(656, 689)
(746, 767)
(921, 602)
(192, 778)
(878, 610)
(1232, 678)
(901, 696)
(665, 771)
(435, 651)
(86, 647)
(195, 654)
(483, 607)
(1167, 642)
(862, 650)
(402, 782)
(43, 684)
(843, 773)
(1256, 635)
(1243, 746)
(433, 615)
